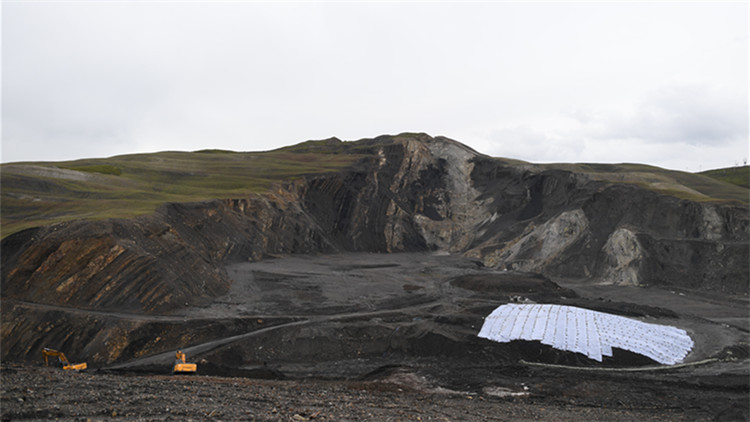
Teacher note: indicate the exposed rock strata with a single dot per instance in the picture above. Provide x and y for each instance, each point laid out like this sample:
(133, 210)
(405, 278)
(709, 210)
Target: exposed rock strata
(413, 193)
(86, 285)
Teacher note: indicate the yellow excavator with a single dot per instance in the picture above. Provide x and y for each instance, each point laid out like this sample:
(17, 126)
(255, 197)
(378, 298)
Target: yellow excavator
(181, 366)
(66, 365)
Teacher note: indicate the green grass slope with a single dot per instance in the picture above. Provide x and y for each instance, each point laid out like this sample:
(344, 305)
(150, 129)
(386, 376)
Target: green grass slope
(40, 193)
(739, 176)
(699, 187)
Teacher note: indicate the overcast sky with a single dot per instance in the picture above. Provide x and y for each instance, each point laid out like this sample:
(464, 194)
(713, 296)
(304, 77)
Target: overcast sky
(657, 83)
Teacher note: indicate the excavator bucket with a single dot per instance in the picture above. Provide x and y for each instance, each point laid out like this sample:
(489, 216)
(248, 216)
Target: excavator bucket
(181, 366)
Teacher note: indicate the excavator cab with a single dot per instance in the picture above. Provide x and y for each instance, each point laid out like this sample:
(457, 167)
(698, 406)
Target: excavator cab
(181, 366)
(64, 363)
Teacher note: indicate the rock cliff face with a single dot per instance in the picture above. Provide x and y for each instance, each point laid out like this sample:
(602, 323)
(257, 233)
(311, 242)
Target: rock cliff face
(410, 193)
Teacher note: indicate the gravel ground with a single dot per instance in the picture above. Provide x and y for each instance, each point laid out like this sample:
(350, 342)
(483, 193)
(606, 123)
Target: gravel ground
(378, 337)
(39, 393)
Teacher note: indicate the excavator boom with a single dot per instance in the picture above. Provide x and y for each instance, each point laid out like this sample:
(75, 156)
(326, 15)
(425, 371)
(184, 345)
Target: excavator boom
(66, 365)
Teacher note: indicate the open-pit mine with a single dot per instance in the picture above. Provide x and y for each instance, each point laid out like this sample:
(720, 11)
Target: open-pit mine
(416, 278)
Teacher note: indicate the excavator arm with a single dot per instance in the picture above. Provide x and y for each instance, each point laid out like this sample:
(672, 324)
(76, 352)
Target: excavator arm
(66, 365)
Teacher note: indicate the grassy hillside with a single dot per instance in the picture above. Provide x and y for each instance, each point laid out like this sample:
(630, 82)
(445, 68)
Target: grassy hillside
(739, 176)
(38, 193)
(697, 187)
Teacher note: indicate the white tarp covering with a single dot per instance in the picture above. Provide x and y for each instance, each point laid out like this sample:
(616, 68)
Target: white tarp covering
(591, 333)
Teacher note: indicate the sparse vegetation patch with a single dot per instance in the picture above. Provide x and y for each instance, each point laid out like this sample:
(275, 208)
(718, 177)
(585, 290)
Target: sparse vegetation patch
(100, 168)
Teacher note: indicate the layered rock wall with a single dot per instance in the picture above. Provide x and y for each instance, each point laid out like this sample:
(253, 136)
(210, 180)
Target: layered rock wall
(411, 193)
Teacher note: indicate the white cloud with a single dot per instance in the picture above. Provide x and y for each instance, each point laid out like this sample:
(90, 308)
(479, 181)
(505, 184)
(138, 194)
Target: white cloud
(682, 129)
(680, 114)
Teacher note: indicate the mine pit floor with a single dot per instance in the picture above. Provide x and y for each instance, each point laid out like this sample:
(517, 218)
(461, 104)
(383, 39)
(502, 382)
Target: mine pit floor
(393, 337)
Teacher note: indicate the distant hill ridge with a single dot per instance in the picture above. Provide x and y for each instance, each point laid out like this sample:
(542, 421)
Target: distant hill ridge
(41, 193)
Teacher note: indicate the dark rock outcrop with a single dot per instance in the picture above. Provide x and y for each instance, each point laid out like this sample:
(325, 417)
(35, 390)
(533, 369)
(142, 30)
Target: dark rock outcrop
(411, 193)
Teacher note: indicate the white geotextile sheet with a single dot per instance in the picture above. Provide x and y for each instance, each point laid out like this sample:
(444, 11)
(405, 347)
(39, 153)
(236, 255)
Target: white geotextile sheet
(584, 331)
